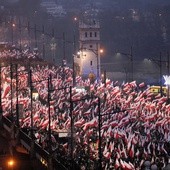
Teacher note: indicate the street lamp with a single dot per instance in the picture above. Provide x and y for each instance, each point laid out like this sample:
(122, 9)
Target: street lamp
(97, 52)
(131, 57)
(159, 63)
(31, 105)
(74, 74)
(49, 122)
(17, 108)
(100, 142)
(104, 81)
(11, 89)
(0, 91)
(12, 29)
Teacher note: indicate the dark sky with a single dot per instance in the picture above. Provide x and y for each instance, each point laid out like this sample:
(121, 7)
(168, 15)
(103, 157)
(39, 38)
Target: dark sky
(147, 30)
(141, 24)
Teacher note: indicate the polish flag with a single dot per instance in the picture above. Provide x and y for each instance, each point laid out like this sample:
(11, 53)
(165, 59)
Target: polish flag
(90, 124)
(122, 164)
(87, 112)
(76, 112)
(53, 124)
(133, 84)
(141, 84)
(105, 126)
(111, 146)
(36, 116)
(107, 155)
(158, 96)
(137, 153)
(67, 123)
(131, 152)
(79, 123)
(105, 149)
(128, 166)
(6, 88)
(108, 81)
(45, 124)
(148, 148)
(65, 145)
(114, 123)
(109, 132)
(117, 164)
(26, 119)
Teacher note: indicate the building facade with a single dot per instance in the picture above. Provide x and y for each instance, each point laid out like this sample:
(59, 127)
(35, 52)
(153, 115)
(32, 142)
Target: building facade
(88, 58)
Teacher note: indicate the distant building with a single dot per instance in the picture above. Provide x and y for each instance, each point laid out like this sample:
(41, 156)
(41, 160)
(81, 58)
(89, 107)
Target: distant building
(52, 8)
(88, 58)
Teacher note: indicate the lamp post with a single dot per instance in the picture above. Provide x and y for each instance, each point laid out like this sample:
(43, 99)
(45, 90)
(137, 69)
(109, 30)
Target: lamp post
(35, 35)
(100, 142)
(74, 45)
(43, 42)
(97, 52)
(49, 123)
(64, 47)
(31, 105)
(74, 71)
(168, 75)
(12, 30)
(71, 124)
(159, 63)
(11, 88)
(131, 57)
(17, 108)
(0, 92)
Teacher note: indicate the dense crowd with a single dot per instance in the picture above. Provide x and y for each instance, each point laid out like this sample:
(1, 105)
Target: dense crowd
(135, 123)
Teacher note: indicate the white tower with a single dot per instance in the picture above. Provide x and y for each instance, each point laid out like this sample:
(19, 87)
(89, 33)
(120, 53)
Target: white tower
(89, 49)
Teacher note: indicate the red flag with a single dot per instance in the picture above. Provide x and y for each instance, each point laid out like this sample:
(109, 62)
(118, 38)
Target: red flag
(117, 164)
(6, 90)
(141, 84)
(131, 152)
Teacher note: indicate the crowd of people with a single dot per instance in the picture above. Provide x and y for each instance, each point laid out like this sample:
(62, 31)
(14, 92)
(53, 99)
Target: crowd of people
(135, 123)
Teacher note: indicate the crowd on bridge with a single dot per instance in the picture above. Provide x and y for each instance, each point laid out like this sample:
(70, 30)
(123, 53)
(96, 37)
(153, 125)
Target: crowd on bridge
(135, 123)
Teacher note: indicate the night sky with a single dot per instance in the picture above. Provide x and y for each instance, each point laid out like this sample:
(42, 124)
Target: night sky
(141, 24)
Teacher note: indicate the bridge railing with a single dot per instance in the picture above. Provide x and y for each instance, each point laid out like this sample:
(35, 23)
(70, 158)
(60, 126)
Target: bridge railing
(41, 154)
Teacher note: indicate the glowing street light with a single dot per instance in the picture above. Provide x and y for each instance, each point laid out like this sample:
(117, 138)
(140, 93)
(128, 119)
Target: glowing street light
(12, 29)
(11, 163)
(131, 57)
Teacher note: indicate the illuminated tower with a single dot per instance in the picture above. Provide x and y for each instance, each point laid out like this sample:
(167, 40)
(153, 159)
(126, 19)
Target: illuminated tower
(89, 48)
